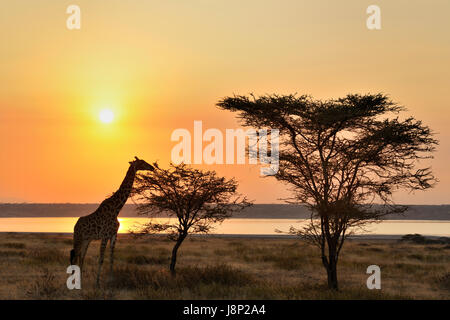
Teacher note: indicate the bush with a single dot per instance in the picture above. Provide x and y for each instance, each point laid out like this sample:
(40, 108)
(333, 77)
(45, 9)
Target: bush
(45, 287)
(13, 245)
(8, 254)
(415, 238)
(444, 281)
(220, 274)
(45, 255)
(144, 260)
(419, 239)
(132, 278)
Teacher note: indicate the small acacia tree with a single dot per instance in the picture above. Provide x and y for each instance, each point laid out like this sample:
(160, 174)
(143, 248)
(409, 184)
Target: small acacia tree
(340, 157)
(195, 199)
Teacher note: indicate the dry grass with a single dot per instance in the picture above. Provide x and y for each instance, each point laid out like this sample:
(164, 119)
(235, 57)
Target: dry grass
(34, 267)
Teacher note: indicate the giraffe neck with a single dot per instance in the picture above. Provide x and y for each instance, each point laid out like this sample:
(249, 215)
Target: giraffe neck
(121, 195)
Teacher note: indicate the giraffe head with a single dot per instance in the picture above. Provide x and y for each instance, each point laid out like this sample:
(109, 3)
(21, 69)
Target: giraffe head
(141, 165)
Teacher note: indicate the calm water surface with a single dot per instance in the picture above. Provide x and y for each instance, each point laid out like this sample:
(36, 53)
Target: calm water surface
(231, 226)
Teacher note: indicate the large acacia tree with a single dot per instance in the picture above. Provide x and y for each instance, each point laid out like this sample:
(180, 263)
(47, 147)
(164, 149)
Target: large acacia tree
(194, 199)
(343, 158)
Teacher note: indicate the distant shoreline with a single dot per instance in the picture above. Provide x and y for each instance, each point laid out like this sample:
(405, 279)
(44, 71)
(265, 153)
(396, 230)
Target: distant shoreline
(257, 211)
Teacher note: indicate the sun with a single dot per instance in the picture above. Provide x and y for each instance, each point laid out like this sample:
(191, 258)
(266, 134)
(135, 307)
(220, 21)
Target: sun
(106, 116)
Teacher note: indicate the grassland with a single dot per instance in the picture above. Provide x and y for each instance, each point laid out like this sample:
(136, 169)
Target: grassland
(33, 266)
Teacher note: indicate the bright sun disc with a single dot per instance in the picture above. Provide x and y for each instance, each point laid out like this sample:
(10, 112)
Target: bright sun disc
(106, 116)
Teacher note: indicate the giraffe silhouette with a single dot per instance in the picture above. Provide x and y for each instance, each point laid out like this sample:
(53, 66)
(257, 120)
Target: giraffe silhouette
(103, 224)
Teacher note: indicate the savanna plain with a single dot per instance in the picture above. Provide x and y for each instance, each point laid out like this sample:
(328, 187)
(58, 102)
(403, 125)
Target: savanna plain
(33, 266)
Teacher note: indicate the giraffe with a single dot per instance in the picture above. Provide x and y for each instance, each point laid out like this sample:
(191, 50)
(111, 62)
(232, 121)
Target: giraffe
(102, 224)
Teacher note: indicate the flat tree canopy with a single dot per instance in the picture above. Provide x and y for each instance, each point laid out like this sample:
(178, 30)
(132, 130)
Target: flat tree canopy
(340, 157)
(194, 199)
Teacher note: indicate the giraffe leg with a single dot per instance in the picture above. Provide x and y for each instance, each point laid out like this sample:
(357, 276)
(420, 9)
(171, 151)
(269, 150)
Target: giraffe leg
(83, 251)
(100, 260)
(112, 244)
(75, 254)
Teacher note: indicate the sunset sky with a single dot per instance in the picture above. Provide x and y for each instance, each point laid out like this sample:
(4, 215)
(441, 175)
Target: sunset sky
(160, 65)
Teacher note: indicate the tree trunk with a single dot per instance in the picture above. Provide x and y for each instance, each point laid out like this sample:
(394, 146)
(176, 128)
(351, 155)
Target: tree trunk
(332, 275)
(330, 264)
(173, 260)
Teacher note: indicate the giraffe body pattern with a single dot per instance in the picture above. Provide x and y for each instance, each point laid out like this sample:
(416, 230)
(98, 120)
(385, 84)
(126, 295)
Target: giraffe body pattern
(103, 224)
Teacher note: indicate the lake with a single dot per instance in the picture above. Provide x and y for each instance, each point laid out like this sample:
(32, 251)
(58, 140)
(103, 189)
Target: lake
(232, 226)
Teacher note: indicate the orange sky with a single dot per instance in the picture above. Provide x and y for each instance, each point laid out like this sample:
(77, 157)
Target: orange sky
(160, 65)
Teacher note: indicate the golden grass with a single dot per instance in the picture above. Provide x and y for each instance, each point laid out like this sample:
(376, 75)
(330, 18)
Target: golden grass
(34, 267)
